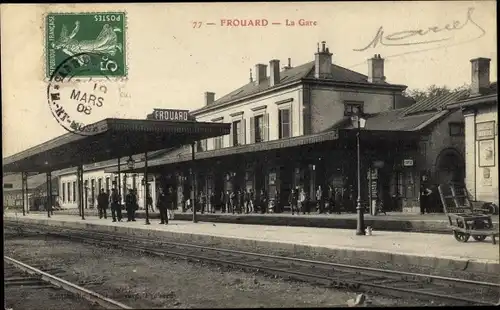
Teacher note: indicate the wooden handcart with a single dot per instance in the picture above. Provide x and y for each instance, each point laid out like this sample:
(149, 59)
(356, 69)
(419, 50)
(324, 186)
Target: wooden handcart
(464, 220)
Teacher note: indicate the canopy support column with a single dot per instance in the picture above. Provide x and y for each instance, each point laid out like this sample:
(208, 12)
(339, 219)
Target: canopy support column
(27, 195)
(119, 184)
(193, 182)
(79, 173)
(146, 183)
(48, 201)
(23, 180)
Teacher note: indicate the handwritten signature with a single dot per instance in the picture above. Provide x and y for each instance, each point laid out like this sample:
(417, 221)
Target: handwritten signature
(381, 38)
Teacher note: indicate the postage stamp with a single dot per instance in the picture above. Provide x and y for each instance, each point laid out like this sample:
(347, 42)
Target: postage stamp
(78, 102)
(101, 35)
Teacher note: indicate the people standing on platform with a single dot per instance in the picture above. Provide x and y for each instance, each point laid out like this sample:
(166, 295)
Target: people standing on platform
(201, 202)
(116, 210)
(170, 203)
(232, 201)
(330, 199)
(247, 201)
(292, 200)
(277, 202)
(161, 205)
(130, 205)
(302, 201)
(226, 202)
(240, 201)
(337, 205)
(149, 201)
(263, 201)
(424, 196)
(252, 201)
(320, 200)
(102, 203)
(213, 202)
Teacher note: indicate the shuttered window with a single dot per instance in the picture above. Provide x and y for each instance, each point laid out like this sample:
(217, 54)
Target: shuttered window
(236, 133)
(259, 128)
(284, 123)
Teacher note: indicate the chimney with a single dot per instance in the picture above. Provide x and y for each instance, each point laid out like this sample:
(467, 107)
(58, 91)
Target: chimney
(480, 83)
(260, 73)
(209, 98)
(376, 69)
(251, 77)
(289, 64)
(274, 66)
(322, 62)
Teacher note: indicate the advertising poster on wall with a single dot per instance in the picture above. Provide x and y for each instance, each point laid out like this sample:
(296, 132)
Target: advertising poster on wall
(487, 153)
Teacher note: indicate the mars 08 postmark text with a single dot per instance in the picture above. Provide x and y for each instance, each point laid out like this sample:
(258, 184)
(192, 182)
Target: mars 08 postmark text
(102, 34)
(77, 103)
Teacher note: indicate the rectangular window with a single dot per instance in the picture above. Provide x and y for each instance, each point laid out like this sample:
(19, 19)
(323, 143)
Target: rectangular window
(68, 186)
(218, 142)
(353, 108)
(457, 129)
(92, 191)
(284, 123)
(63, 192)
(74, 191)
(201, 145)
(107, 185)
(134, 181)
(259, 128)
(99, 185)
(236, 132)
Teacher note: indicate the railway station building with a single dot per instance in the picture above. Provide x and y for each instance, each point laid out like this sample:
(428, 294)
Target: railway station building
(480, 111)
(292, 127)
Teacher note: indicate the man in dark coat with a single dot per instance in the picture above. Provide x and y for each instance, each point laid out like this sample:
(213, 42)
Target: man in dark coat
(130, 205)
(162, 205)
(171, 201)
(424, 196)
(102, 203)
(116, 211)
(263, 201)
(233, 199)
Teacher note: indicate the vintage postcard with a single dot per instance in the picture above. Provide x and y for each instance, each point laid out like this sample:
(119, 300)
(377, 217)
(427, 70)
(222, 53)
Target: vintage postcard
(236, 155)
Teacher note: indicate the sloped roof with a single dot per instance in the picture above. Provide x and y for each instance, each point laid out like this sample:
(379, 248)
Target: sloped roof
(289, 76)
(435, 103)
(395, 120)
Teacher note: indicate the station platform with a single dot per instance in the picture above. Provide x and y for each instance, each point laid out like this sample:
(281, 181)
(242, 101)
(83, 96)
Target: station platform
(417, 249)
(392, 221)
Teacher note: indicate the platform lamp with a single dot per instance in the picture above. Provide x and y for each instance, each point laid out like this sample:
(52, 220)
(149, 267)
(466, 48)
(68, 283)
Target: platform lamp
(130, 163)
(359, 123)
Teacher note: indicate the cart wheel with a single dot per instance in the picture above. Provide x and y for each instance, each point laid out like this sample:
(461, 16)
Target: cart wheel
(460, 236)
(479, 237)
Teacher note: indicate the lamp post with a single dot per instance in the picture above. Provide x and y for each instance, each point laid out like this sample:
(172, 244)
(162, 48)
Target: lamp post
(359, 123)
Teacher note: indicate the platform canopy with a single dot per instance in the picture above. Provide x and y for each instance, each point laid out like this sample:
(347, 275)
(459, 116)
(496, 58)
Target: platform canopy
(116, 138)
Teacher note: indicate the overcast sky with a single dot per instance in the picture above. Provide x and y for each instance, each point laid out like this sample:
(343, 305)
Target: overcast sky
(172, 64)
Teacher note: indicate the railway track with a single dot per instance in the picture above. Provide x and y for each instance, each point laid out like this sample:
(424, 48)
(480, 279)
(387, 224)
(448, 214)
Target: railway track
(24, 277)
(392, 283)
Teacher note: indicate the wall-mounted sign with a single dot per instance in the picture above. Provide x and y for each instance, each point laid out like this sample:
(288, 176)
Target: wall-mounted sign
(408, 162)
(487, 153)
(169, 115)
(485, 130)
(487, 177)
(8, 185)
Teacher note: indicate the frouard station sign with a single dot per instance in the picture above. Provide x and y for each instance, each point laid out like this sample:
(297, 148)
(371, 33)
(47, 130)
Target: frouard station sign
(170, 115)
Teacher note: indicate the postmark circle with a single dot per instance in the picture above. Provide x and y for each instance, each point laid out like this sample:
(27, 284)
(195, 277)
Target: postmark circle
(78, 102)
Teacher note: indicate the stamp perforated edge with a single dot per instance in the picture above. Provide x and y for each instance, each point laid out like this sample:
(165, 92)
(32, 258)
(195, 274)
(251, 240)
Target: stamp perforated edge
(126, 40)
